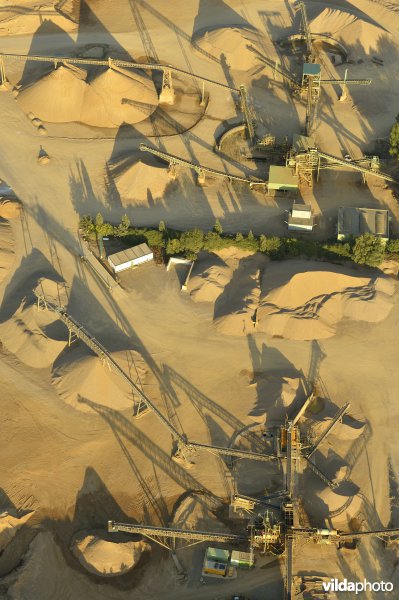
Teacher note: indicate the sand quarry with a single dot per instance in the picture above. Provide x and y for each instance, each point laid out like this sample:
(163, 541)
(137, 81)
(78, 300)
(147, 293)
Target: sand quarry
(230, 354)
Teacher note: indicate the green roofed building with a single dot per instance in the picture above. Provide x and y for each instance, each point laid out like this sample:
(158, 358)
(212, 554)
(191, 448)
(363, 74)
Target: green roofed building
(282, 178)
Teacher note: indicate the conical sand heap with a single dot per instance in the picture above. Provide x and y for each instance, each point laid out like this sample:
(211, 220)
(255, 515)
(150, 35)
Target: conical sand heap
(57, 97)
(113, 97)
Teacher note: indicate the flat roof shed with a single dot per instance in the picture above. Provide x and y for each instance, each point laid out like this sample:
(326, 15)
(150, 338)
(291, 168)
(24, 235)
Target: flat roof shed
(131, 257)
(282, 178)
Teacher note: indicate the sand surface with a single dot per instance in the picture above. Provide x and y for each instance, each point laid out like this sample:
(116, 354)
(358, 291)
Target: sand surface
(229, 354)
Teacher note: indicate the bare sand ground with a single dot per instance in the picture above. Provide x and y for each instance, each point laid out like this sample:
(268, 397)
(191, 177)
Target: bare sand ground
(77, 469)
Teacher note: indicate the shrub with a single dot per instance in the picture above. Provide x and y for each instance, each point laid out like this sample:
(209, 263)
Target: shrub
(191, 256)
(337, 249)
(368, 250)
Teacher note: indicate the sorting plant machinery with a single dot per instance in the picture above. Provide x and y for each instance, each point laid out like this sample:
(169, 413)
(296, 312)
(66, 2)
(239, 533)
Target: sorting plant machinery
(265, 533)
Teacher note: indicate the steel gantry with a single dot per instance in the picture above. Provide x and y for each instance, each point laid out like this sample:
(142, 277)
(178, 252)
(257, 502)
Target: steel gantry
(57, 60)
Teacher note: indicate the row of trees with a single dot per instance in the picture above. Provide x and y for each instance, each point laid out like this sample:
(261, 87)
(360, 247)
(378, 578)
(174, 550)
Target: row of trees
(366, 249)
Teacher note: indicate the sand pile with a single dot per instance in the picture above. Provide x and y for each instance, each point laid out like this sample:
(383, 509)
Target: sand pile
(348, 28)
(235, 44)
(9, 525)
(57, 97)
(311, 304)
(105, 557)
(9, 209)
(119, 96)
(79, 375)
(36, 337)
(136, 181)
(114, 97)
(208, 280)
(6, 249)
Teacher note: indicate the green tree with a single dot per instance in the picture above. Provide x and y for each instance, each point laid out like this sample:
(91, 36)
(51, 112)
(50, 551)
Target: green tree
(250, 235)
(87, 224)
(368, 250)
(123, 228)
(154, 238)
(161, 226)
(239, 237)
(217, 228)
(392, 247)
(213, 241)
(192, 240)
(173, 246)
(269, 245)
(394, 139)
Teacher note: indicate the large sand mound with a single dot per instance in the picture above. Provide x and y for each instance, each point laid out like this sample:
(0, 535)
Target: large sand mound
(104, 557)
(36, 337)
(113, 97)
(348, 28)
(136, 181)
(293, 300)
(235, 44)
(79, 375)
(311, 304)
(119, 96)
(6, 249)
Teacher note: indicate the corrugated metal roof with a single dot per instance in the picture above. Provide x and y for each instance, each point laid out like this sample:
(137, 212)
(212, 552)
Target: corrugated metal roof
(356, 221)
(124, 256)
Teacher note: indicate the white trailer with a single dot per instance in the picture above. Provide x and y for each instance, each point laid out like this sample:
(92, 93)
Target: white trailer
(131, 257)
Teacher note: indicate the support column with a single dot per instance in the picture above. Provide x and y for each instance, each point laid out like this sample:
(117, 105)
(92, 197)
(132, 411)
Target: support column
(167, 95)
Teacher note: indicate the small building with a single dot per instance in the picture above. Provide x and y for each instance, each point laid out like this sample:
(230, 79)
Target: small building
(282, 178)
(300, 218)
(131, 257)
(242, 560)
(353, 222)
(216, 562)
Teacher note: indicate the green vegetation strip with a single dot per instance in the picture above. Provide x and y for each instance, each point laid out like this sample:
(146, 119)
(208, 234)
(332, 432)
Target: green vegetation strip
(366, 249)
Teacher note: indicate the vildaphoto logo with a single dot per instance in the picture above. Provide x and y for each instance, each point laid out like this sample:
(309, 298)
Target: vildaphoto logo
(334, 585)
